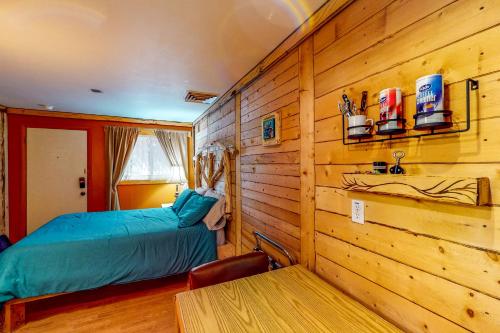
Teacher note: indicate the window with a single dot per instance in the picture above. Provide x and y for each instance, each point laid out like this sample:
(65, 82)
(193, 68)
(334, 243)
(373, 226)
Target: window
(149, 163)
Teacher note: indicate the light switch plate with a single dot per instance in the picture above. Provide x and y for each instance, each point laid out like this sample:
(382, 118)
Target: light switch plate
(358, 211)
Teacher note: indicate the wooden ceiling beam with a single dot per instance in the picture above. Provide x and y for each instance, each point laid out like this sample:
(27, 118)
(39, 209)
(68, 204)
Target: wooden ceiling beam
(84, 116)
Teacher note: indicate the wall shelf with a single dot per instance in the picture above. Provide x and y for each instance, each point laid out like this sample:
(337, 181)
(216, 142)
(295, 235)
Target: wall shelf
(470, 86)
(457, 190)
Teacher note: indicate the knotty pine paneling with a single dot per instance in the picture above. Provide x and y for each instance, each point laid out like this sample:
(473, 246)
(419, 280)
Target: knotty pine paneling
(219, 125)
(351, 17)
(270, 175)
(427, 266)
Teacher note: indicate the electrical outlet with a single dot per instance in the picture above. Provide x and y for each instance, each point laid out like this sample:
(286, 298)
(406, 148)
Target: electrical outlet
(358, 211)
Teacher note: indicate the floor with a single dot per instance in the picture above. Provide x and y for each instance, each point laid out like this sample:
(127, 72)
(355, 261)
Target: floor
(138, 307)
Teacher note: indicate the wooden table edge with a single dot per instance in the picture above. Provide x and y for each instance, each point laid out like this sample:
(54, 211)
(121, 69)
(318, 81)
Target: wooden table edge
(179, 322)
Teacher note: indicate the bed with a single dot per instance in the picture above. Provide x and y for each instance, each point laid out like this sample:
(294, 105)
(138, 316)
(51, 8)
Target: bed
(83, 251)
(88, 250)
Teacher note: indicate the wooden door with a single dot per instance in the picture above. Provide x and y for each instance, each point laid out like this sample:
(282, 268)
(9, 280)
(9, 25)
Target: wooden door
(56, 160)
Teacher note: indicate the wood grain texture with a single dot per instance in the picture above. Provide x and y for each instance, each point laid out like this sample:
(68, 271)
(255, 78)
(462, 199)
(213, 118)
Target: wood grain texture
(430, 266)
(287, 300)
(271, 194)
(273, 211)
(479, 58)
(184, 126)
(464, 265)
(307, 178)
(351, 17)
(477, 312)
(331, 175)
(365, 35)
(472, 226)
(220, 125)
(384, 301)
(476, 16)
(237, 139)
(311, 25)
(138, 307)
(225, 251)
(14, 316)
(467, 191)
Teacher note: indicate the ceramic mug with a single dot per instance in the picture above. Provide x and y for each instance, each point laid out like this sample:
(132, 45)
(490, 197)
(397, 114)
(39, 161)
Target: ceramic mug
(360, 120)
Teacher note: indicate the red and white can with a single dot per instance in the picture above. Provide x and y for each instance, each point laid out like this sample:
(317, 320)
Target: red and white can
(391, 107)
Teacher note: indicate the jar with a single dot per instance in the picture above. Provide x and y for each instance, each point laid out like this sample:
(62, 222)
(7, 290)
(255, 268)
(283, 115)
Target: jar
(379, 167)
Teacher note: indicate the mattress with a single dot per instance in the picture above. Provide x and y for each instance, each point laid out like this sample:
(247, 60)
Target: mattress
(88, 250)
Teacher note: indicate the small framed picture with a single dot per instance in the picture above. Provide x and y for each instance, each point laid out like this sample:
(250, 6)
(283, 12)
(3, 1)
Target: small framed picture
(271, 129)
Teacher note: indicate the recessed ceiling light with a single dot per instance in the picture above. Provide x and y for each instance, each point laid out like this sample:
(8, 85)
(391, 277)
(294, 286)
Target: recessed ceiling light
(97, 91)
(47, 107)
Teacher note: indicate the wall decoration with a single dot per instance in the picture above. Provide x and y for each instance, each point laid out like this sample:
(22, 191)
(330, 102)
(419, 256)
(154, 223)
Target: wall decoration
(467, 191)
(431, 128)
(271, 129)
(205, 169)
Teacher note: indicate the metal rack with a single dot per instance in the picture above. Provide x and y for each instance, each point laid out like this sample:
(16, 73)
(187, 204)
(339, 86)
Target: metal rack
(471, 85)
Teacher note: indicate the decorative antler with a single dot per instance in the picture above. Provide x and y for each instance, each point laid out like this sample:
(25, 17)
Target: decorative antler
(197, 170)
(203, 174)
(218, 173)
(210, 176)
(227, 183)
(204, 167)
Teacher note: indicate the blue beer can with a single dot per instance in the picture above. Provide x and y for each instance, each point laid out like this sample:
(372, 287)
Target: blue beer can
(429, 96)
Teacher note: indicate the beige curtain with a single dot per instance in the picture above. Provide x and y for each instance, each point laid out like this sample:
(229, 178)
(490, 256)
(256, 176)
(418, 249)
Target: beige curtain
(174, 144)
(3, 190)
(120, 142)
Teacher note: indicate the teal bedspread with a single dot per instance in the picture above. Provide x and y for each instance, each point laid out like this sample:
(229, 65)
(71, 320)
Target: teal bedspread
(89, 250)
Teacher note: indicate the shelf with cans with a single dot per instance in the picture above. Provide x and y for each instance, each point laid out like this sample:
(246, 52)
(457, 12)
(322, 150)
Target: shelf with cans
(430, 118)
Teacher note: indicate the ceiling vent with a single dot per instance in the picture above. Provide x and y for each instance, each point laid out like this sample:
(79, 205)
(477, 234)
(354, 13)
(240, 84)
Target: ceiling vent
(199, 97)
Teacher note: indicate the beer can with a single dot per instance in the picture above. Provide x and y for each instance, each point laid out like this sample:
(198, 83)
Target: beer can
(391, 107)
(429, 95)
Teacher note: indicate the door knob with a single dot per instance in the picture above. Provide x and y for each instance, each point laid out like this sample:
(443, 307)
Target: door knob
(82, 193)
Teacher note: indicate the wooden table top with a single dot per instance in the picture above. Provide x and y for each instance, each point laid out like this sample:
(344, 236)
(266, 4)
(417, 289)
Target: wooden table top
(291, 299)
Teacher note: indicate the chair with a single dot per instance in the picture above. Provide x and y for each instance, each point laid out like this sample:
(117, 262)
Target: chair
(228, 269)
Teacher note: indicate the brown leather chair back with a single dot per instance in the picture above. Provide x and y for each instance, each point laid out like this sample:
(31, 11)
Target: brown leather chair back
(228, 269)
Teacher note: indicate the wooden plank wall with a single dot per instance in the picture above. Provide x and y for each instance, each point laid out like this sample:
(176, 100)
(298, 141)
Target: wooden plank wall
(219, 125)
(426, 266)
(270, 176)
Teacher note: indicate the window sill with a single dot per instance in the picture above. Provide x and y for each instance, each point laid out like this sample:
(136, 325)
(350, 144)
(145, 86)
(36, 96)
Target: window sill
(143, 182)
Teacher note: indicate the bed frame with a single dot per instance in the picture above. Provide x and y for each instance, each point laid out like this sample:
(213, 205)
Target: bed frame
(205, 174)
(15, 311)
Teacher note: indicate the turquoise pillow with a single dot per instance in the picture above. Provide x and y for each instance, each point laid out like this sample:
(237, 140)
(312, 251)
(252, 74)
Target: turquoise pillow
(194, 210)
(182, 199)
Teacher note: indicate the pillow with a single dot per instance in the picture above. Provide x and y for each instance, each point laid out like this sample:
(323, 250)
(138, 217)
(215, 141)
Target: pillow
(217, 212)
(213, 194)
(194, 210)
(182, 199)
(201, 190)
(221, 237)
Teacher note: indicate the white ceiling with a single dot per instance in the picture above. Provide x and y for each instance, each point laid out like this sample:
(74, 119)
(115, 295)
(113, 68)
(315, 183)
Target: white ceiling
(144, 54)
